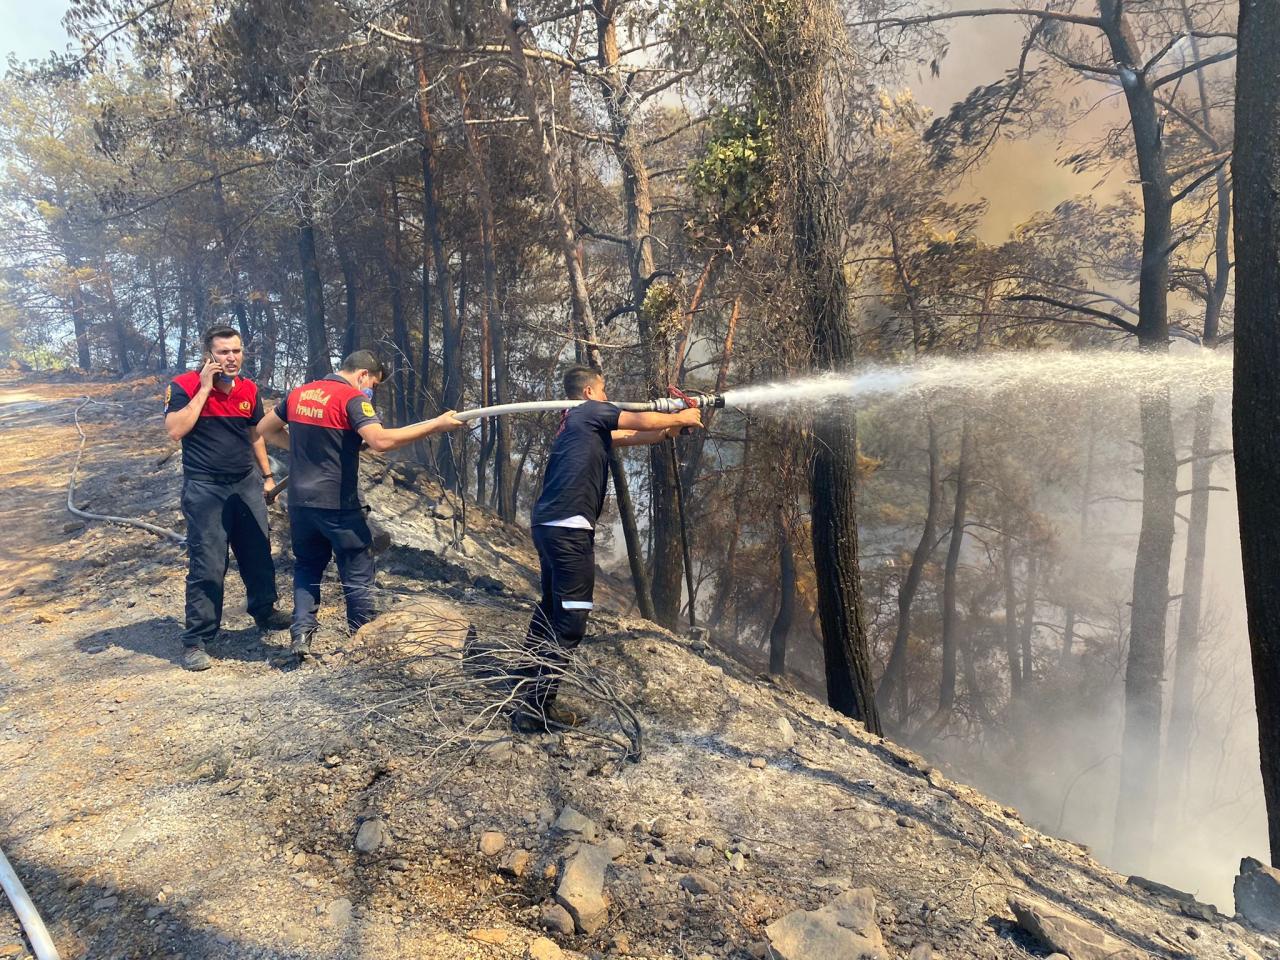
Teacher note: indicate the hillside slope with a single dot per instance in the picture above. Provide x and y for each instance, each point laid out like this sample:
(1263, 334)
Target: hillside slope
(375, 805)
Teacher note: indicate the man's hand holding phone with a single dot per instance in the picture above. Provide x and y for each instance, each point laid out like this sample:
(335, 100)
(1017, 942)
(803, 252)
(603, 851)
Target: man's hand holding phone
(210, 369)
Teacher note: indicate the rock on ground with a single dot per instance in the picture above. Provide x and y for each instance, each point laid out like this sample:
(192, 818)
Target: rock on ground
(1062, 933)
(845, 928)
(1258, 894)
(371, 835)
(581, 888)
(571, 821)
(543, 949)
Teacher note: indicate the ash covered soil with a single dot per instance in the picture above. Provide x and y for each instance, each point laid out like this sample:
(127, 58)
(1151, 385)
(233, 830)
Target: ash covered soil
(359, 809)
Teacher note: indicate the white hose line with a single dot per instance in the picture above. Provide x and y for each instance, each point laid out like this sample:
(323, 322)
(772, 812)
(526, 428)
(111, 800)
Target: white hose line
(41, 942)
(85, 514)
(535, 406)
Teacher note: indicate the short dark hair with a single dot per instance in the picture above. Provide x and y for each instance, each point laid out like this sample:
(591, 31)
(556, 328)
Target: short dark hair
(216, 332)
(364, 360)
(577, 378)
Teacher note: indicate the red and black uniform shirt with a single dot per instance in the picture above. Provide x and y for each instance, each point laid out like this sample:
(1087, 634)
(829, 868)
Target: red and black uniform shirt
(324, 447)
(219, 446)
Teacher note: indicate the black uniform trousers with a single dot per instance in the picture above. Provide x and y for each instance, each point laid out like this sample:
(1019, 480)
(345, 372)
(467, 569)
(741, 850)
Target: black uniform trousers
(320, 535)
(568, 560)
(224, 512)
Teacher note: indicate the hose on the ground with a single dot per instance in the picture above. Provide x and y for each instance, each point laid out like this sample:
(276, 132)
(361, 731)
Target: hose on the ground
(28, 916)
(107, 518)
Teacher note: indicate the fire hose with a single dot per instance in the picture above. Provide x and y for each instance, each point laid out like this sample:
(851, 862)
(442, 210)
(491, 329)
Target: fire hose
(677, 400)
(672, 404)
(37, 934)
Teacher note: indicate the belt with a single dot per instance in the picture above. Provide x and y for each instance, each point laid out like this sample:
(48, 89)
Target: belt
(217, 477)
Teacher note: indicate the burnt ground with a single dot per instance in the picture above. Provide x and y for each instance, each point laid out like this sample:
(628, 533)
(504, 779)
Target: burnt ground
(158, 813)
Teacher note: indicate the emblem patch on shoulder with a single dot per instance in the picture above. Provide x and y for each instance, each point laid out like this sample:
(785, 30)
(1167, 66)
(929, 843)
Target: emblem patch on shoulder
(367, 409)
(245, 406)
(168, 395)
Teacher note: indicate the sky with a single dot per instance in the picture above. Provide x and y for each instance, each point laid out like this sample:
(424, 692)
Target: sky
(31, 28)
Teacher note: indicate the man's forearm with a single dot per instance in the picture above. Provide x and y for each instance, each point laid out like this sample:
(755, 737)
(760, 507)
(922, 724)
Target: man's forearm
(644, 422)
(279, 436)
(410, 433)
(182, 422)
(638, 438)
(260, 455)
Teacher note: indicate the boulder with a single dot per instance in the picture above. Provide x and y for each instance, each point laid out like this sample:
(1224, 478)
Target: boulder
(581, 888)
(1060, 932)
(844, 928)
(1258, 895)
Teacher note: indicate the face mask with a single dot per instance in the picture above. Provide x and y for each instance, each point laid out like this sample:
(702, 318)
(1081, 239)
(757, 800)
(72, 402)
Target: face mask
(367, 391)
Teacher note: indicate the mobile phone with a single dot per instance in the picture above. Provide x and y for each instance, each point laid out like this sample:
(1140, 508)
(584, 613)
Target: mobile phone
(220, 376)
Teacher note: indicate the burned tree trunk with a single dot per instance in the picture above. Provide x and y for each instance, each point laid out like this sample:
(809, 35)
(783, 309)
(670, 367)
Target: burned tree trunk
(318, 362)
(1136, 810)
(798, 65)
(351, 332)
(584, 323)
(451, 331)
(950, 613)
(1011, 620)
(1256, 391)
(500, 429)
(666, 562)
(402, 376)
(781, 628)
(895, 670)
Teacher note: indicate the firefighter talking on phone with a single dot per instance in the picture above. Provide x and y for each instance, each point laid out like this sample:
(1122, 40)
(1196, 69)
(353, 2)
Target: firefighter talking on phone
(225, 476)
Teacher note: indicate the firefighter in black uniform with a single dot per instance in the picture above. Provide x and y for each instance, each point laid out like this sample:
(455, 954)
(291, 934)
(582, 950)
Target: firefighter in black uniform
(328, 420)
(225, 476)
(564, 520)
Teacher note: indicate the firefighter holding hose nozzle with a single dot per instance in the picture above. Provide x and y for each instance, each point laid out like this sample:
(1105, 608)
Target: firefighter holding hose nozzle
(564, 520)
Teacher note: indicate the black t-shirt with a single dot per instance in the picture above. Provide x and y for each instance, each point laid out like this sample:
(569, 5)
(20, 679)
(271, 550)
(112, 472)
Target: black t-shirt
(220, 444)
(578, 470)
(324, 446)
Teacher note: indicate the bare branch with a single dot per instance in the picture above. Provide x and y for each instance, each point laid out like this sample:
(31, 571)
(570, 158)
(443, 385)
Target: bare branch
(1207, 175)
(1055, 15)
(1078, 308)
(1192, 68)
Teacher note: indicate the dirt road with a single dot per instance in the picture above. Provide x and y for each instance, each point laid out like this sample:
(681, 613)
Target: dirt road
(153, 812)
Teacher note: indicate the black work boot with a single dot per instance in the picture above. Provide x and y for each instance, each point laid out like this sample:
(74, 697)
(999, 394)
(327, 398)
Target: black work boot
(301, 647)
(196, 658)
(272, 619)
(526, 719)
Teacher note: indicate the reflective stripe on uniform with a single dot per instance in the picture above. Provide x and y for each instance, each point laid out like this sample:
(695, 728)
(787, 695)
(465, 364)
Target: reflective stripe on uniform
(577, 604)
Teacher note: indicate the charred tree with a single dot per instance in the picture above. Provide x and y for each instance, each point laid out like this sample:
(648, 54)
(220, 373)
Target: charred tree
(950, 612)
(621, 106)
(781, 627)
(318, 362)
(584, 324)
(1136, 810)
(451, 330)
(799, 55)
(894, 679)
(1256, 390)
